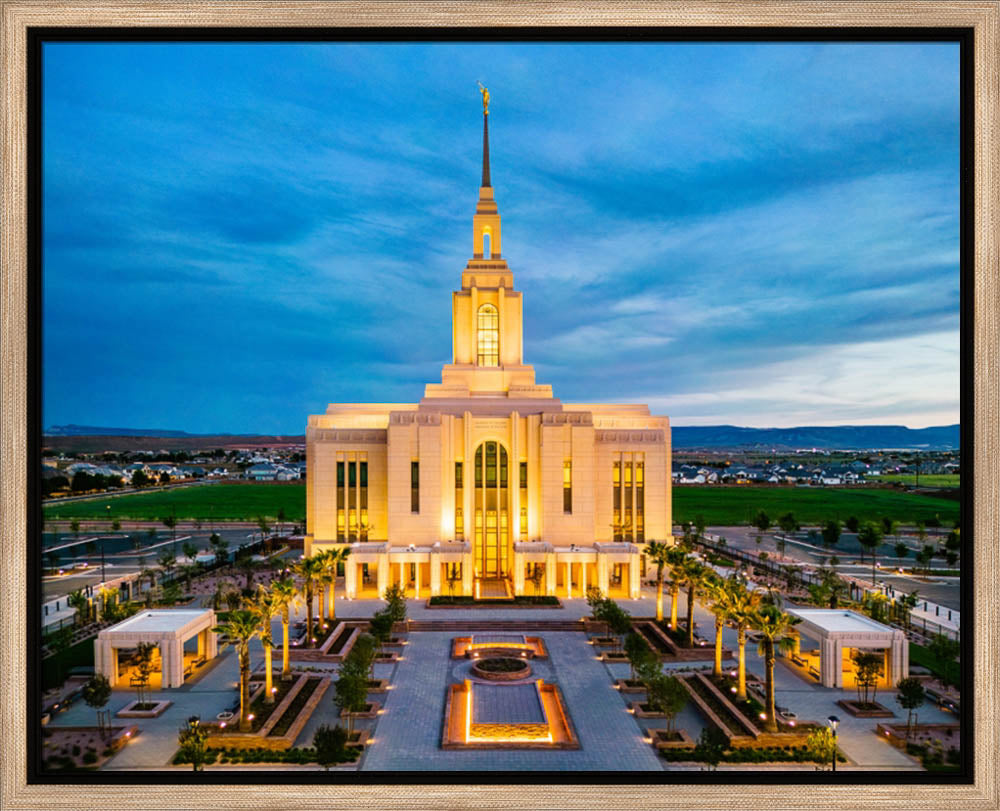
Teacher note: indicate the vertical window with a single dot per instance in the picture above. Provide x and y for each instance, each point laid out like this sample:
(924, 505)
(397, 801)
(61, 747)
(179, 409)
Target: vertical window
(486, 244)
(363, 497)
(640, 529)
(524, 522)
(459, 500)
(459, 523)
(524, 475)
(488, 336)
(341, 503)
(415, 487)
(567, 486)
(458, 475)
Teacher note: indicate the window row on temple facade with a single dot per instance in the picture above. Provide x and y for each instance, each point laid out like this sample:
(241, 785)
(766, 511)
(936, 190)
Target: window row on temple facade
(352, 497)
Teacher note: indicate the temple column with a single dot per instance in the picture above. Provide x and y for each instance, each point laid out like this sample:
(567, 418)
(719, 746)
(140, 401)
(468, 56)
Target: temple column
(583, 578)
(350, 579)
(416, 580)
(569, 580)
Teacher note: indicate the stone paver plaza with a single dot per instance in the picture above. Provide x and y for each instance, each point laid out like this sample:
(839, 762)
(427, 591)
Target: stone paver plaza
(407, 734)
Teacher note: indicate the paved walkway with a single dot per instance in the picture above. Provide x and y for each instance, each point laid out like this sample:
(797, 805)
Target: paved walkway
(408, 735)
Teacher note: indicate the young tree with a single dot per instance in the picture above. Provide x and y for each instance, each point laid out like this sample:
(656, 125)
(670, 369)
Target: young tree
(167, 561)
(666, 694)
(536, 577)
(381, 627)
(144, 668)
(831, 533)
(788, 523)
(116, 525)
(870, 536)
(190, 551)
(96, 693)
(852, 523)
(711, 745)
(264, 526)
(395, 599)
(901, 550)
(192, 738)
(945, 650)
(281, 519)
(822, 745)
(351, 692)
(618, 620)
(699, 526)
(330, 744)
(867, 669)
(761, 521)
(595, 599)
(910, 697)
(638, 652)
(170, 522)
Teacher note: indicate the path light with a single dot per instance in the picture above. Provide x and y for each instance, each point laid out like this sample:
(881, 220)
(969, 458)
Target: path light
(833, 721)
(732, 689)
(763, 716)
(222, 725)
(250, 717)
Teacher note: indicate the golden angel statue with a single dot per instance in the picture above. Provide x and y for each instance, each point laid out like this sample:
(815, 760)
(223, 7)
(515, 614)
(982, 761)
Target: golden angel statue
(486, 98)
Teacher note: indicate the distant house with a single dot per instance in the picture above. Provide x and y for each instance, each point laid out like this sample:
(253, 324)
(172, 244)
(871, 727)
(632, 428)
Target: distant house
(263, 472)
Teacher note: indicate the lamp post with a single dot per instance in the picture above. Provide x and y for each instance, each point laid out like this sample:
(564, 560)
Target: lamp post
(833, 720)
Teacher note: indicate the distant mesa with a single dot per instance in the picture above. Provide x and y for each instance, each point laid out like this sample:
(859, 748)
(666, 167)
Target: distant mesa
(831, 437)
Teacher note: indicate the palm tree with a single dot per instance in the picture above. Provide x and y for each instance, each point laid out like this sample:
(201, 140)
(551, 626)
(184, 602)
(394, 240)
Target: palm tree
(283, 593)
(659, 553)
(168, 560)
(724, 595)
(78, 600)
(267, 607)
(745, 605)
(695, 575)
(675, 579)
(310, 569)
(775, 629)
(333, 559)
(190, 550)
(241, 627)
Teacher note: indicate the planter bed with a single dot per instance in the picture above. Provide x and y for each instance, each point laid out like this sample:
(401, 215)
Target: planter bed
(676, 739)
(642, 710)
(609, 656)
(872, 710)
(386, 658)
(295, 707)
(344, 633)
(604, 641)
(714, 710)
(358, 739)
(370, 711)
(378, 685)
(58, 743)
(630, 686)
(156, 709)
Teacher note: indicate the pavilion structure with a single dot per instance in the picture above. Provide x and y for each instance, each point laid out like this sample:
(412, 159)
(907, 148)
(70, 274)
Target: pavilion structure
(168, 630)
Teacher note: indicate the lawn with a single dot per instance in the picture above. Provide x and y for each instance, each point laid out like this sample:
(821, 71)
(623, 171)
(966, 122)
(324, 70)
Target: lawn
(928, 480)
(216, 502)
(721, 506)
(731, 506)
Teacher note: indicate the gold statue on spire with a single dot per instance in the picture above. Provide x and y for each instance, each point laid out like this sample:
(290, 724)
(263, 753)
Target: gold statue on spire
(486, 98)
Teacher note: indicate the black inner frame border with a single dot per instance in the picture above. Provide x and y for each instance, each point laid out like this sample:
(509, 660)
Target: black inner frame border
(38, 36)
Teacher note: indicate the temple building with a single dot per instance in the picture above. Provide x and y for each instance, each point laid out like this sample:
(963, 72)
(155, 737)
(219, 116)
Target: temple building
(489, 485)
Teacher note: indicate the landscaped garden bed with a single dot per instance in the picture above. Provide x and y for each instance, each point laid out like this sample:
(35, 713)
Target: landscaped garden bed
(82, 748)
(378, 685)
(871, 709)
(766, 754)
(295, 707)
(370, 711)
(235, 756)
(643, 710)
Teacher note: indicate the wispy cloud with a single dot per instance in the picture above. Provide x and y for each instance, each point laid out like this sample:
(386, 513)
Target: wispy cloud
(744, 233)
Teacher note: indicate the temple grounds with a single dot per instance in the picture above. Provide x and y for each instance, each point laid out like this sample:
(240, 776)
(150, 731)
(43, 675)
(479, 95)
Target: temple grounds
(407, 734)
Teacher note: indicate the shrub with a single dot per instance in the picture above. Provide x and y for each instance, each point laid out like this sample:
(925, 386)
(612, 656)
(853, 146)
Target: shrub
(76, 750)
(90, 757)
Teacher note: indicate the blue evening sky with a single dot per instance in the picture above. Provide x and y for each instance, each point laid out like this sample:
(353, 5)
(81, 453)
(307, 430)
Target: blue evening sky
(236, 235)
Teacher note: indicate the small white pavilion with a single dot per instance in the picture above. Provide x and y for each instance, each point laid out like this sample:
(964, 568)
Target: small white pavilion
(168, 629)
(836, 629)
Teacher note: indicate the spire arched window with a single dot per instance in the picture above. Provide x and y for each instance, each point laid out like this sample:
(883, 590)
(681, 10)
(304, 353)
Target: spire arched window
(488, 336)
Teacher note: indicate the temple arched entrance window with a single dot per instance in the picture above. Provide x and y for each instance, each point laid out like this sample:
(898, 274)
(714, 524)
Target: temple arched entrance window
(492, 530)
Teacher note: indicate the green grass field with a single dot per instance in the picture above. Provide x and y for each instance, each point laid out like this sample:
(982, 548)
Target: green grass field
(216, 502)
(929, 480)
(721, 506)
(730, 506)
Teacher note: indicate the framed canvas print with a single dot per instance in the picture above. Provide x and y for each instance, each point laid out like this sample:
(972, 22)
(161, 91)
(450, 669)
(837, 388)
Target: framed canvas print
(676, 479)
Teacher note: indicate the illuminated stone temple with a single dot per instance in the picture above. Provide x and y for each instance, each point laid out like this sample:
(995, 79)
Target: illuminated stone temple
(490, 485)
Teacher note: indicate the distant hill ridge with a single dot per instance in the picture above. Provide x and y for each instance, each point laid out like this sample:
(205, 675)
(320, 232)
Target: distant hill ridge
(841, 437)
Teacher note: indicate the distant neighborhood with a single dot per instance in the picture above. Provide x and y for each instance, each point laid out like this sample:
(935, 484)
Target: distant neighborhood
(77, 473)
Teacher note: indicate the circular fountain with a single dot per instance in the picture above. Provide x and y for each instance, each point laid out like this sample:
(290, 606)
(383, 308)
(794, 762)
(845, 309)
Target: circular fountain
(501, 668)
